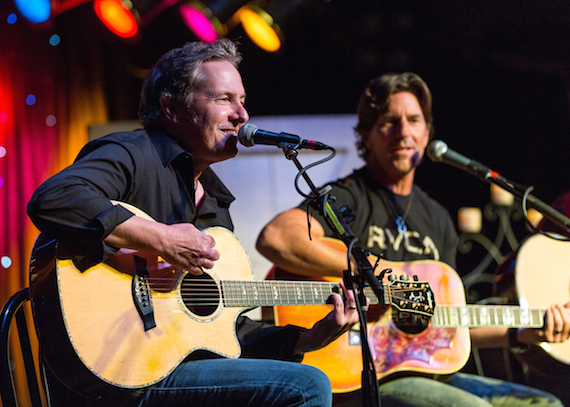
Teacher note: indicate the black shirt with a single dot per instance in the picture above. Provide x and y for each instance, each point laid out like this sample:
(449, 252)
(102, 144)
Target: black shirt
(149, 171)
(153, 173)
(430, 231)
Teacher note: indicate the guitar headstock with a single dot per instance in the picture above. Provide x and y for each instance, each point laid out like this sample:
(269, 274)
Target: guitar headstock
(413, 302)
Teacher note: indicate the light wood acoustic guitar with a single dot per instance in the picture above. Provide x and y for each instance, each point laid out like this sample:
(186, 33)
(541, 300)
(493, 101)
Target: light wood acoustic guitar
(441, 348)
(131, 329)
(542, 278)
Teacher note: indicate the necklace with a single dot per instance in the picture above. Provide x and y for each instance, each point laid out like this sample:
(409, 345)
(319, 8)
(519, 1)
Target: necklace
(399, 219)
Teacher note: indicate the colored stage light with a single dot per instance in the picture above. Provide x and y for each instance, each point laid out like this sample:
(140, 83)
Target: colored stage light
(194, 16)
(117, 17)
(260, 27)
(36, 11)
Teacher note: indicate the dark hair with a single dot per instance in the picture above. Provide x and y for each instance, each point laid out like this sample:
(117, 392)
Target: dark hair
(375, 99)
(176, 74)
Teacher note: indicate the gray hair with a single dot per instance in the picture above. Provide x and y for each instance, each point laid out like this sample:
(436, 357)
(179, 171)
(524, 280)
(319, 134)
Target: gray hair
(176, 74)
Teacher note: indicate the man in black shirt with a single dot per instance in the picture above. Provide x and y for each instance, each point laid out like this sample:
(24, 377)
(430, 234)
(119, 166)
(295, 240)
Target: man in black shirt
(398, 221)
(192, 106)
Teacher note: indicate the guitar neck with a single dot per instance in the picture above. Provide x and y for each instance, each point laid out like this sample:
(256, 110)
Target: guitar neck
(477, 316)
(249, 293)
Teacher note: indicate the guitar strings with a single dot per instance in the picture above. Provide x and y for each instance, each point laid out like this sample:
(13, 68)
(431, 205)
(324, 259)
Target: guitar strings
(265, 285)
(207, 292)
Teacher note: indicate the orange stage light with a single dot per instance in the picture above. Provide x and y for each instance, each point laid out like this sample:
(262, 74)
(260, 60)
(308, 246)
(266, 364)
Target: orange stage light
(117, 17)
(260, 27)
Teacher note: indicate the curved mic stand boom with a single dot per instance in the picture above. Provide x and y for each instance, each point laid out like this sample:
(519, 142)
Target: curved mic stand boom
(357, 280)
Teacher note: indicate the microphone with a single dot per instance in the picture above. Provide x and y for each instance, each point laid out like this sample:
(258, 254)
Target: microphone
(438, 151)
(249, 135)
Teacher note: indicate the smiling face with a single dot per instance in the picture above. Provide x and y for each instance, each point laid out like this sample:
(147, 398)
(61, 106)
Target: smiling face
(397, 142)
(207, 127)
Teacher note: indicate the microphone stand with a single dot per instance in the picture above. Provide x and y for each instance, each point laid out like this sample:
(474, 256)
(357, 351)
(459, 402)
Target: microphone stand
(521, 192)
(364, 274)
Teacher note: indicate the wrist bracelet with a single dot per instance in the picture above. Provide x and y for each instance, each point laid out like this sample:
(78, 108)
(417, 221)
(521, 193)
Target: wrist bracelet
(514, 344)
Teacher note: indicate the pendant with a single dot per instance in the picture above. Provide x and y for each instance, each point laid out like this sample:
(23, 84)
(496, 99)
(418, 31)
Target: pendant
(401, 225)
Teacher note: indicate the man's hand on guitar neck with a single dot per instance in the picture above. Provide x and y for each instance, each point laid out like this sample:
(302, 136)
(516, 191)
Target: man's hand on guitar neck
(182, 245)
(338, 321)
(556, 327)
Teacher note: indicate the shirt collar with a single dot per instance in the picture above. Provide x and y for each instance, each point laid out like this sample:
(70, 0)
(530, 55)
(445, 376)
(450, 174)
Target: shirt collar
(168, 150)
(166, 147)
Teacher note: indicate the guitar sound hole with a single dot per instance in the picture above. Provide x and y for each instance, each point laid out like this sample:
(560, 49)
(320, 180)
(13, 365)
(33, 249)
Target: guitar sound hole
(409, 323)
(200, 294)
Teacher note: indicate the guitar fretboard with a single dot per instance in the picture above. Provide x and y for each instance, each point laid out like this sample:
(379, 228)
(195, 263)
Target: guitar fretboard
(475, 316)
(247, 293)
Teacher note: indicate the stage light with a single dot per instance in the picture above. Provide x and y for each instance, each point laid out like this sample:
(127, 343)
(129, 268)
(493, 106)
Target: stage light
(197, 18)
(125, 17)
(260, 27)
(36, 11)
(117, 17)
(260, 24)
(209, 22)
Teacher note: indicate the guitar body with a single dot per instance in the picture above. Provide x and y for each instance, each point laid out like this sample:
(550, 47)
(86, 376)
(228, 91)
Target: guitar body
(540, 257)
(95, 316)
(435, 351)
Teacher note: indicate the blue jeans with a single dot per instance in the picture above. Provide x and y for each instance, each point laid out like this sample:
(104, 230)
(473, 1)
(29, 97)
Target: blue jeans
(462, 390)
(240, 382)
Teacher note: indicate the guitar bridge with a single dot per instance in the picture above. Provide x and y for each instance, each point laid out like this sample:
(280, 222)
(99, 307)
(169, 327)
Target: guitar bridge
(141, 294)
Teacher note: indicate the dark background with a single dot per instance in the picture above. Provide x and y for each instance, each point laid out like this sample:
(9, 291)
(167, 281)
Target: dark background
(498, 72)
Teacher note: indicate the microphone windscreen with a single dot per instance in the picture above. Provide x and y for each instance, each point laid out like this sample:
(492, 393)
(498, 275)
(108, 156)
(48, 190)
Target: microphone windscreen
(245, 134)
(436, 150)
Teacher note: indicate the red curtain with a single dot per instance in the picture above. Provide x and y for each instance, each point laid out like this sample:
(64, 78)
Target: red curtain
(48, 99)
(49, 96)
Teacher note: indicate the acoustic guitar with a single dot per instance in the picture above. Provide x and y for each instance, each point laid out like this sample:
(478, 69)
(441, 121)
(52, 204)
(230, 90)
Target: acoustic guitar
(131, 329)
(542, 278)
(441, 348)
